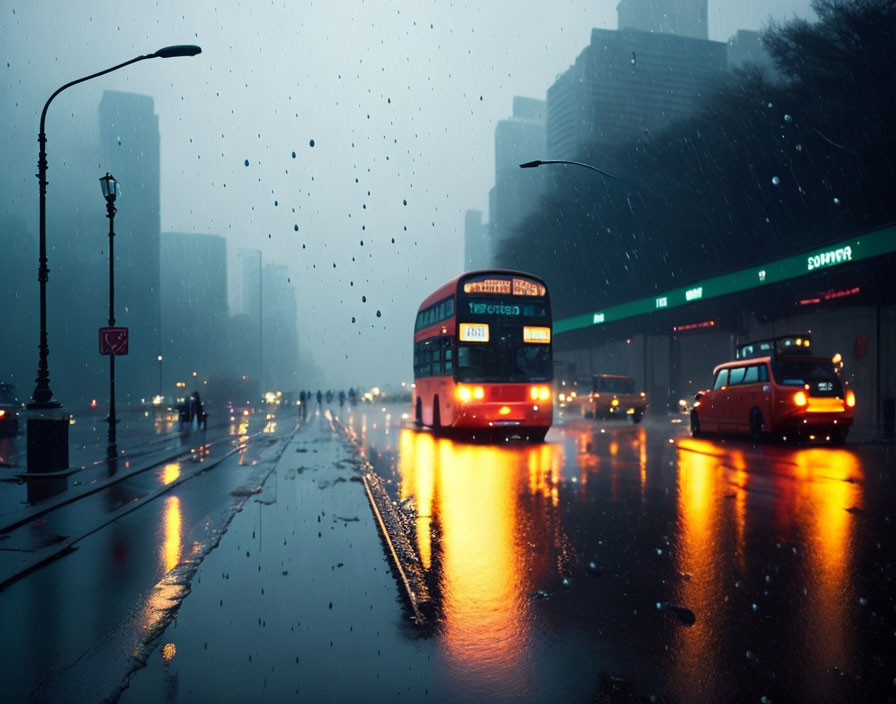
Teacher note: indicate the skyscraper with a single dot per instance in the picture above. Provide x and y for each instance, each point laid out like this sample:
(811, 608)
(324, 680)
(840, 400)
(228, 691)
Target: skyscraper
(194, 306)
(129, 148)
(687, 18)
(627, 84)
(519, 138)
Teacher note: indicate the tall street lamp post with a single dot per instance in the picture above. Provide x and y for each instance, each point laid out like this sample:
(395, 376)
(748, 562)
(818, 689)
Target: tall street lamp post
(110, 193)
(47, 424)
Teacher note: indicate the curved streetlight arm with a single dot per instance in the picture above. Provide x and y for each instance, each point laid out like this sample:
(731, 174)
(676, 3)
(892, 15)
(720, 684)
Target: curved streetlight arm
(539, 162)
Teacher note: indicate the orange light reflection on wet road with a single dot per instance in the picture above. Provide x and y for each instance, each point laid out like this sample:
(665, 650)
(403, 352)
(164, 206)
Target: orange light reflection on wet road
(470, 496)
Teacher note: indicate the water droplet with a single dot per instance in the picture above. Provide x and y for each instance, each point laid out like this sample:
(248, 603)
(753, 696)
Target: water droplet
(311, 143)
(276, 203)
(246, 162)
(776, 180)
(363, 299)
(353, 318)
(836, 201)
(379, 314)
(293, 155)
(788, 118)
(295, 227)
(404, 202)
(799, 147)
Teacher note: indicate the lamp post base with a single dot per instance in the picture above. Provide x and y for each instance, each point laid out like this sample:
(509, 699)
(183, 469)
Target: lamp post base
(47, 441)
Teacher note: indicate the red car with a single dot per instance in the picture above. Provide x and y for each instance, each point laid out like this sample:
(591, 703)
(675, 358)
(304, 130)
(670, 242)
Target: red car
(776, 387)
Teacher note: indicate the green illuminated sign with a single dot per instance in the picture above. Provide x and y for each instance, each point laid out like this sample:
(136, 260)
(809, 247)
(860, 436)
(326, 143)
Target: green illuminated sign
(873, 244)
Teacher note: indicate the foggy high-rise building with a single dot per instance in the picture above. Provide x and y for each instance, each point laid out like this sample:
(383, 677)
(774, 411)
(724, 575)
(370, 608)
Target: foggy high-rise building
(518, 139)
(280, 329)
(249, 264)
(627, 84)
(477, 249)
(129, 146)
(687, 18)
(194, 306)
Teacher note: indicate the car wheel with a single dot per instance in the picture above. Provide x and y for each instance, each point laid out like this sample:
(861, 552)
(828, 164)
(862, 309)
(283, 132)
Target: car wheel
(757, 425)
(695, 424)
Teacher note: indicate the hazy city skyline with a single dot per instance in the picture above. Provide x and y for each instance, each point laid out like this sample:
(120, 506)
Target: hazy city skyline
(304, 132)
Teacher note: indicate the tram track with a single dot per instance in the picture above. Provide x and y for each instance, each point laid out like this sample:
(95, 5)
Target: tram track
(21, 561)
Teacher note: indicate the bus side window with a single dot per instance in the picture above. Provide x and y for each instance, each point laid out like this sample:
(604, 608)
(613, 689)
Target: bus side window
(752, 375)
(448, 355)
(721, 379)
(763, 373)
(436, 359)
(449, 307)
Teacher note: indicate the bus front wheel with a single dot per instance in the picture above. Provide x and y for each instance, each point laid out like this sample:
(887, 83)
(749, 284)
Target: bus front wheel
(436, 414)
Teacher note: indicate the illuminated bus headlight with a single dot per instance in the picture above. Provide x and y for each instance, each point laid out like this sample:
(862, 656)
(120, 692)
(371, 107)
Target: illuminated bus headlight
(850, 399)
(799, 398)
(614, 402)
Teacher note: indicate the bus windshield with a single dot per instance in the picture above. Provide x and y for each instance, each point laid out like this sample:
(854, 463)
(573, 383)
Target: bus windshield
(503, 361)
(818, 374)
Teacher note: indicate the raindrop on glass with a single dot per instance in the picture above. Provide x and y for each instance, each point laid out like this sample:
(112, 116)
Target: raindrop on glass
(295, 227)
(379, 314)
(363, 299)
(246, 162)
(788, 118)
(293, 155)
(836, 201)
(404, 202)
(776, 180)
(311, 143)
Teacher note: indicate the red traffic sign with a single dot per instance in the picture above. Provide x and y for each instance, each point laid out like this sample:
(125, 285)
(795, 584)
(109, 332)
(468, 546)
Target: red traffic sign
(114, 341)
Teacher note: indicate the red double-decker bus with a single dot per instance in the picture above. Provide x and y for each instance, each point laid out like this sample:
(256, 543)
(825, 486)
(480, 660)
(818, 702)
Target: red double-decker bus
(482, 355)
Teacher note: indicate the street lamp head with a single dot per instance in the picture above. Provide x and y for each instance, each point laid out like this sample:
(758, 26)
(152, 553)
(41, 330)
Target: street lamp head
(110, 187)
(177, 50)
(530, 164)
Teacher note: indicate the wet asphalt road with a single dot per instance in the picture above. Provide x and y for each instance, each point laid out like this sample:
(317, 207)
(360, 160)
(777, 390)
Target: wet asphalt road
(613, 563)
(631, 562)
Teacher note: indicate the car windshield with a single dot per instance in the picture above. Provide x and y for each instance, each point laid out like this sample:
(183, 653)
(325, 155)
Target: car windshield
(614, 385)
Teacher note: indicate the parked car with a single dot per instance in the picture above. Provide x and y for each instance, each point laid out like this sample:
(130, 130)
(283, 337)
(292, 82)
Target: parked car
(10, 407)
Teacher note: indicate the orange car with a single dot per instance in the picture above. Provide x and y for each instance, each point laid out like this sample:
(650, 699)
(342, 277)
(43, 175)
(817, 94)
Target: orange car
(613, 396)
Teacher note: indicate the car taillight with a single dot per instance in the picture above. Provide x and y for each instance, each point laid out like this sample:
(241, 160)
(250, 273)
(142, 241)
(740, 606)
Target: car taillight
(799, 398)
(2, 413)
(850, 399)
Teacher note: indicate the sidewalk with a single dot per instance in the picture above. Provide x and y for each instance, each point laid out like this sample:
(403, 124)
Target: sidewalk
(298, 601)
(143, 440)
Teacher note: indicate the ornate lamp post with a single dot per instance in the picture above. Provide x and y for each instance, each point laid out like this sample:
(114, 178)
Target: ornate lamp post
(48, 425)
(110, 193)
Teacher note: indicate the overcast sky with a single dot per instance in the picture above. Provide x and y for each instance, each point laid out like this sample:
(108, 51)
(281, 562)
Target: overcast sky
(399, 99)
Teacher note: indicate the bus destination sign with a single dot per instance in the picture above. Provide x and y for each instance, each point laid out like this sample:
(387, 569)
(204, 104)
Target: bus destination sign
(515, 287)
